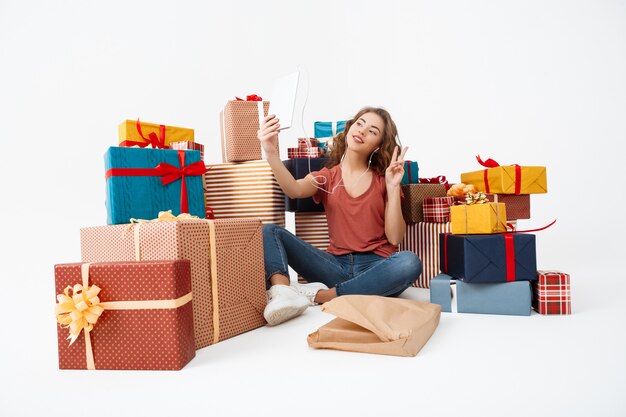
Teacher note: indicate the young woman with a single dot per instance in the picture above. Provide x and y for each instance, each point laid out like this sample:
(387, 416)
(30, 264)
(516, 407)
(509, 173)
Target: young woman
(360, 191)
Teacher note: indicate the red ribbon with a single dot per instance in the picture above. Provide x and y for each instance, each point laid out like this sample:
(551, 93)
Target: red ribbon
(168, 173)
(251, 97)
(509, 248)
(441, 179)
(490, 163)
(152, 140)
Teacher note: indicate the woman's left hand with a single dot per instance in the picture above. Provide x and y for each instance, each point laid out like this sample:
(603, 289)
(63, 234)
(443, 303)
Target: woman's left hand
(395, 170)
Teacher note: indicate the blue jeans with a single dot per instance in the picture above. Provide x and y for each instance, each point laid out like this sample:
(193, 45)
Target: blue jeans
(354, 273)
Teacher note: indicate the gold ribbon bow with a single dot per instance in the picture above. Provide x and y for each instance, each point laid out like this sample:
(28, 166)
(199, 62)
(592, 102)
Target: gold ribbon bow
(476, 198)
(78, 308)
(166, 216)
(81, 310)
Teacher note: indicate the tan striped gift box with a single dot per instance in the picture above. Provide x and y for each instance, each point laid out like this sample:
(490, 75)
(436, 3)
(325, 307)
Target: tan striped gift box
(423, 239)
(247, 189)
(313, 229)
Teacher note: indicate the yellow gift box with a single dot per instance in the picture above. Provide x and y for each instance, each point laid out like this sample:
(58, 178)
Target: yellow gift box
(136, 133)
(468, 219)
(510, 179)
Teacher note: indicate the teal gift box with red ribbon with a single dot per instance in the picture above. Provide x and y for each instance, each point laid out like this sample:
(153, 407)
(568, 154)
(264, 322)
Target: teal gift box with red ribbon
(142, 182)
(503, 257)
(411, 173)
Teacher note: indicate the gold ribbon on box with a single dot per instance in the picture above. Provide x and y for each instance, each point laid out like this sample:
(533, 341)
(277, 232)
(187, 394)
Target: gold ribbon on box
(165, 216)
(481, 198)
(79, 307)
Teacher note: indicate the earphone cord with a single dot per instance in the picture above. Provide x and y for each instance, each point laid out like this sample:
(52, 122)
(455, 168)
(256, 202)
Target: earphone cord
(316, 183)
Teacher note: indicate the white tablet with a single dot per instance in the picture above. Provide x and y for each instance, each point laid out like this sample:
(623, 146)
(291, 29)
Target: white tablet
(283, 99)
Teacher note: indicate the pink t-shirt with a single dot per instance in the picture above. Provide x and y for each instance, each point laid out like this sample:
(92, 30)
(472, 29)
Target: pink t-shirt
(354, 224)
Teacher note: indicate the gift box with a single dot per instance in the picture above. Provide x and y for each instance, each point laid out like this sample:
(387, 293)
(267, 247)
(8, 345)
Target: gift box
(304, 143)
(489, 258)
(512, 179)
(125, 315)
(312, 152)
(411, 173)
(414, 195)
(239, 123)
(227, 269)
(313, 229)
(328, 129)
(188, 146)
(143, 134)
(300, 168)
(517, 206)
(478, 218)
(246, 189)
(140, 183)
(551, 293)
(507, 298)
(423, 239)
(437, 209)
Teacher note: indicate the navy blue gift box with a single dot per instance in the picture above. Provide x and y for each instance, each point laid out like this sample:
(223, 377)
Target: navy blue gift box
(502, 257)
(299, 168)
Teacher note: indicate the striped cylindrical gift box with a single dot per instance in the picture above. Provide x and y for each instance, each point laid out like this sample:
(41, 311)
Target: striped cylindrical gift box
(313, 229)
(423, 239)
(247, 189)
(189, 146)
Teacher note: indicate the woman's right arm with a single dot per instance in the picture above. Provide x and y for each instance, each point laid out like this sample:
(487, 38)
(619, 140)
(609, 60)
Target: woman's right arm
(268, 135)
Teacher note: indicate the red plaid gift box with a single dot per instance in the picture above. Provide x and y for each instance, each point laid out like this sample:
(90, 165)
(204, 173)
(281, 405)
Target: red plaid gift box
(551, 293)
(437, 209)
(304, 144)
(184, 145)
(304, 153)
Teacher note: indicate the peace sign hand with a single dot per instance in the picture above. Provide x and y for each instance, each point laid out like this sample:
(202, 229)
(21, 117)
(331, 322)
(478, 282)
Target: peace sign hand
(395, 170)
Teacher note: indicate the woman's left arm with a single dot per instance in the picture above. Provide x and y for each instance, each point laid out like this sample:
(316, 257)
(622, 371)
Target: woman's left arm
(394, 221)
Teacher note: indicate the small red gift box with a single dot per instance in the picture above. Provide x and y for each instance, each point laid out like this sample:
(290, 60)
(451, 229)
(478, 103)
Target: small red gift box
(437, 209)
(188, 146)
(303, 143)
(304, 153)
(551, 293)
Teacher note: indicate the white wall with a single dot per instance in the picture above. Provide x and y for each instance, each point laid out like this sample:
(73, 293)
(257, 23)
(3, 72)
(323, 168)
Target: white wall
(528, 82)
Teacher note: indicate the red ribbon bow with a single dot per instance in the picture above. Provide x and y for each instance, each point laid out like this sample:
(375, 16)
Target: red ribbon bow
(441, 179)
(168, 172)
(152, 140)
(490, 163)
(251, 97)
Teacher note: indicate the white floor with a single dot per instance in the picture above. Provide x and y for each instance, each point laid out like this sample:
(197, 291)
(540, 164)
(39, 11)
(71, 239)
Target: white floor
(474, 365)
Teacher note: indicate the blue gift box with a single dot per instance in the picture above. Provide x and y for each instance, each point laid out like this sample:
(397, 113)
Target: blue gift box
(135, 183)
(411, 173)
(325, 129)
(508, 298)
(299, 168)
(488, 258)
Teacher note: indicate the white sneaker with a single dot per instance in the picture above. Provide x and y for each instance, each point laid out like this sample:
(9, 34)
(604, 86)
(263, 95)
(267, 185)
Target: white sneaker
(309, 290)
(284, 303)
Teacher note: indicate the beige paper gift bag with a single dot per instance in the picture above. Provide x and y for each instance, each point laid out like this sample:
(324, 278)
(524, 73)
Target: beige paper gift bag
(374, 324)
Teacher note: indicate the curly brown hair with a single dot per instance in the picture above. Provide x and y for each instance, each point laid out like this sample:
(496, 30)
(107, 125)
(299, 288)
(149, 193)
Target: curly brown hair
(380, 159)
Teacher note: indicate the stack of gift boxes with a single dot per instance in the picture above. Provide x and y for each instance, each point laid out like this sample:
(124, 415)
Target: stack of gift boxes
(179, 265)
(486, 265)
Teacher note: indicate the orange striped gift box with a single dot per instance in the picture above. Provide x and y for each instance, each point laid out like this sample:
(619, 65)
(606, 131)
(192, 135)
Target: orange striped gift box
(423, 239)
(247, 189)
(313, 229)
